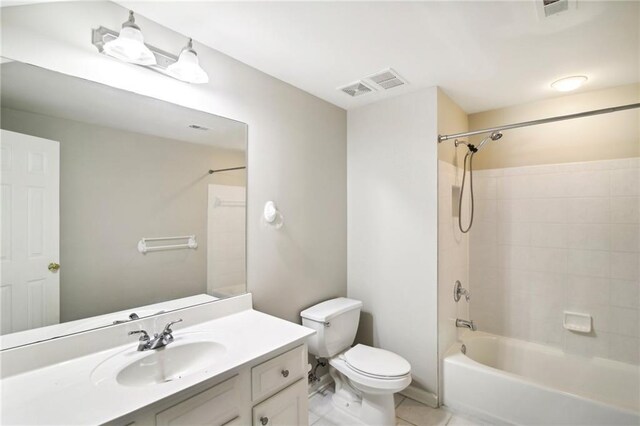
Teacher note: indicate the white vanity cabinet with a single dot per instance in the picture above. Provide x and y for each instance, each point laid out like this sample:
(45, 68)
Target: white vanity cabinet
(273, 392)
(288, 407)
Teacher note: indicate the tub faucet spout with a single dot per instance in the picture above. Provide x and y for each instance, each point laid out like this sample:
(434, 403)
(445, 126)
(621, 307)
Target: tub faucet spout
(465, 324)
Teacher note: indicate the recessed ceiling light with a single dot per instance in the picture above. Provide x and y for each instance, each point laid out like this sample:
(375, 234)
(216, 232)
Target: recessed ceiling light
(568, 84)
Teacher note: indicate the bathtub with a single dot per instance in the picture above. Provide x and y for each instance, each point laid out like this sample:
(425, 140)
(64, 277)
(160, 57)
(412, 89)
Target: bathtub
(509, 381)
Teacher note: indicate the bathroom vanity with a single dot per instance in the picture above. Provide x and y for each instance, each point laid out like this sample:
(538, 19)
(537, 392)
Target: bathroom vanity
(227, 365)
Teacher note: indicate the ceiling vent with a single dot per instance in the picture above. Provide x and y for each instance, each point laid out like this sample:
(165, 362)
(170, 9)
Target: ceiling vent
(387, 79)
(356, 89)
(547, 8)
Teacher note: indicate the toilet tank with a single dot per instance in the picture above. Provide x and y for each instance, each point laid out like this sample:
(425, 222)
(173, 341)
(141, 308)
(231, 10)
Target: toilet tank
(336, 322)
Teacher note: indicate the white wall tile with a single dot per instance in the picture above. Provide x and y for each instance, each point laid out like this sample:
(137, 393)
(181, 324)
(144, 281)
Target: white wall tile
(625, 210)
(548, 210)
(624, 321)
(589, 345)
(549, 235)
(588, 210)
(625, 294)
(625, 266)
(589, 236)
(625, 182)
(548, 259)
(513, 233)
(588, 183)
(587, 292)
(625, 238)
(548, 185)
(625, 349)
(589, 263)
(560, 238)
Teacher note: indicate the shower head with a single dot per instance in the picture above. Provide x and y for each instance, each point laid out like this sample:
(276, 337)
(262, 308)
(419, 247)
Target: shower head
(493, 136)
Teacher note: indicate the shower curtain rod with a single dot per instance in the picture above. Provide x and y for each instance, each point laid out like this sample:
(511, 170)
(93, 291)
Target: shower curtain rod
(226, 170)
(442, 138)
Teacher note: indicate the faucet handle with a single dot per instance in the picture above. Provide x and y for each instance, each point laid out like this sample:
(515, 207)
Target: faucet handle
(145, 335)
(167, 328)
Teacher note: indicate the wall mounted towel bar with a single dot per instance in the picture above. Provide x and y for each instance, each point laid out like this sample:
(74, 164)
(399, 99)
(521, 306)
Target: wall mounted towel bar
(190, 244)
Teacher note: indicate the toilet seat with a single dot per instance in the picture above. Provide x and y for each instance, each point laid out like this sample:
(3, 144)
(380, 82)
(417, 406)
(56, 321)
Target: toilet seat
(368, 383)
(376, 363)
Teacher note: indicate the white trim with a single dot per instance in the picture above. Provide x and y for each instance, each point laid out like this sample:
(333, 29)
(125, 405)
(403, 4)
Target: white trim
(421, 395)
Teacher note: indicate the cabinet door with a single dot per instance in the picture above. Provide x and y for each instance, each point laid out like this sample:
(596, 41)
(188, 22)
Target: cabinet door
(286, 408)
(215, 406)
(278, 372)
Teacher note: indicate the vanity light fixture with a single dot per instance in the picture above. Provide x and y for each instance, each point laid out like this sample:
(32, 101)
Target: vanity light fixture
(187, 67)
(568, 84)
(129, 45)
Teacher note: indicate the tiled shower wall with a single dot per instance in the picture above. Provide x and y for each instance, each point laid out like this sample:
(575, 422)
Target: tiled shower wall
(559, 237)
(453, 248)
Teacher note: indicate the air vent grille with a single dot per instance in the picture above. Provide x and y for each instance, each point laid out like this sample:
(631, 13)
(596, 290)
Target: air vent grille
(356, 89)
(387, 79)
(383, 80)
(551, 7)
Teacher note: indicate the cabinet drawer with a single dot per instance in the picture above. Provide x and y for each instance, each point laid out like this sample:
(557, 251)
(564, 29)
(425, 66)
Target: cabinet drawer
(286, 408)
(215, 406)
(277, 373)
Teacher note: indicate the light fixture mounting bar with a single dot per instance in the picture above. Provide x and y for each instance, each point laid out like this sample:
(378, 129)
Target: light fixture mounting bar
(102, 35)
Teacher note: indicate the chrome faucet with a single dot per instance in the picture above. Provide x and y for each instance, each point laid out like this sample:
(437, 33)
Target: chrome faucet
(465, 324)
(160, 340)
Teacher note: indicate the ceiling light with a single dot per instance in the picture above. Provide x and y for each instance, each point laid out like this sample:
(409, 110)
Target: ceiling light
(129, 46)
(187, 67)
(568, 84)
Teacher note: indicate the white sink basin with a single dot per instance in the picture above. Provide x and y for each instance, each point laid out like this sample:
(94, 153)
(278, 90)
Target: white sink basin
(182, 358)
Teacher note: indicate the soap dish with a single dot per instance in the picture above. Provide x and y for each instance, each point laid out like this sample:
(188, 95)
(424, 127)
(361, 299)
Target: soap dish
(577, 322)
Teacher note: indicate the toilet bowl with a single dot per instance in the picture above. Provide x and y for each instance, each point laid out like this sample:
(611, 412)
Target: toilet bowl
(365, 377)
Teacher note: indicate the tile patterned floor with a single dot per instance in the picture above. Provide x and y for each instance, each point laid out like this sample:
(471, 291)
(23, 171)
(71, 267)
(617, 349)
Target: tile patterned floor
(408, 413)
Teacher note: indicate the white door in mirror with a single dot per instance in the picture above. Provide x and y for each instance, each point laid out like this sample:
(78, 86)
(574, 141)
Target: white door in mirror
(30, 218)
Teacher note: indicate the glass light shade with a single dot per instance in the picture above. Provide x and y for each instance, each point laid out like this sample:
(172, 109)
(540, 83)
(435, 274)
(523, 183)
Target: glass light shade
(568, 84)
(187, 68)
(129, 47)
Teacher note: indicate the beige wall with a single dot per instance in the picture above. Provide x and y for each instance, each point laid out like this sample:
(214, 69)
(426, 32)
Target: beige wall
(115, 188)
(602, 137)
(451, 119)
(297, 142)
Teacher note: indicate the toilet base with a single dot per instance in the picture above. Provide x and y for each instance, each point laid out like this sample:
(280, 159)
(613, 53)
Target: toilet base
(364, 409)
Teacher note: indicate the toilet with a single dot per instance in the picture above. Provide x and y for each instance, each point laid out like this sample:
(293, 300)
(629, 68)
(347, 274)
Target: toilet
(365, 377)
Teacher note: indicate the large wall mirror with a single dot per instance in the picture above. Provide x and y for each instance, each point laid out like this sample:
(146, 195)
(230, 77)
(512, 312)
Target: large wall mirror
(115, 206)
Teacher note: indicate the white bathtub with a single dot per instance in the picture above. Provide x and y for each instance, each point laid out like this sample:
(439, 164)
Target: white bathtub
(510, 381)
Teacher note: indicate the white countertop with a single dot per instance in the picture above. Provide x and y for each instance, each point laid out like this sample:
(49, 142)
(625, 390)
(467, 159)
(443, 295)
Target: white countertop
(64, 393)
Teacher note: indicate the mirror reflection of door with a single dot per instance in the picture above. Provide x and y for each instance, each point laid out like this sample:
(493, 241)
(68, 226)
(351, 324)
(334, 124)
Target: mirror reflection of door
(29, 280)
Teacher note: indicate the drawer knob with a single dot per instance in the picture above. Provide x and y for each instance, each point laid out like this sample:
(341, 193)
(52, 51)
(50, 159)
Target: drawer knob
(264, 420)
(285, 373)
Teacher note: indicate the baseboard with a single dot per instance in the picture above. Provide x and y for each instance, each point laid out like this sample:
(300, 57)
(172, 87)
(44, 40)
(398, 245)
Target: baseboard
(319, 386)
(421, 395)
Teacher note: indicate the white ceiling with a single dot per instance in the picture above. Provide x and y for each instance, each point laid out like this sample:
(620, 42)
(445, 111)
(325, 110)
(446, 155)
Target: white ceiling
(29, 88)
(483, 54)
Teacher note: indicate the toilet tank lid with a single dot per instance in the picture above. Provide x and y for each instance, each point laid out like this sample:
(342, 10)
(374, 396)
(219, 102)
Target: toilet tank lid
(323, 312)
